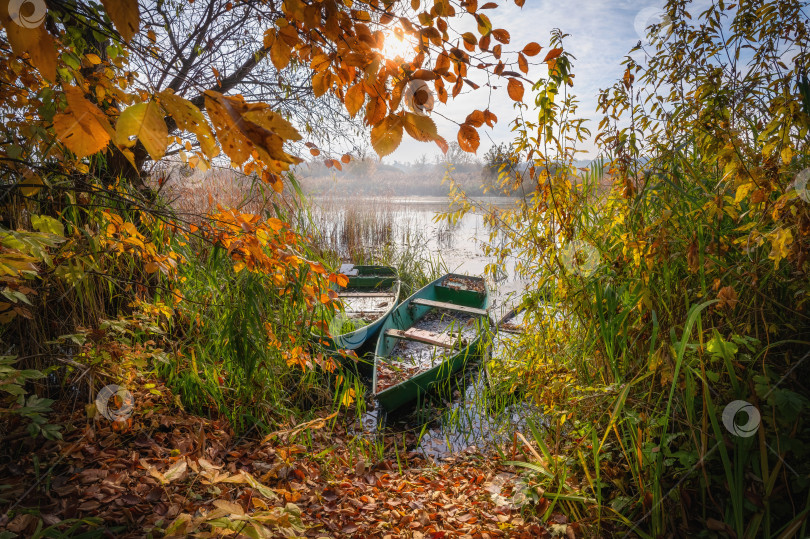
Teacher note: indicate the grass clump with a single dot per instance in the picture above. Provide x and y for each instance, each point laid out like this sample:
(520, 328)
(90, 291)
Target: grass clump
(679, 282)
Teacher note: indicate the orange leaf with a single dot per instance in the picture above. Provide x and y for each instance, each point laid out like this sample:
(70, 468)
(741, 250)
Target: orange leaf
(475, 118)
(424, 74)
(552, 54)
(346, 158)
(483, 43)
(321, 82)
(628, 78)
(515, 89)
(320, 62)
(375, 111)
(189, 118)
(83, 128)
(355, 97)
(490, 118)
(250, 129)
(523, 64)
(124, 14)
(501, 35)
(442, 64)
(275, 223)
(468, 138)
(532, 49)
(280, 54)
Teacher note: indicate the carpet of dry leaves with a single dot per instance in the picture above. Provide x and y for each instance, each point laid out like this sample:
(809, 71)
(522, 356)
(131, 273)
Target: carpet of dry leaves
(169, 473)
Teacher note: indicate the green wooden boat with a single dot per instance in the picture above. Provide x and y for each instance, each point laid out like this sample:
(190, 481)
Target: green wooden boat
(431, 335)
(368, 299)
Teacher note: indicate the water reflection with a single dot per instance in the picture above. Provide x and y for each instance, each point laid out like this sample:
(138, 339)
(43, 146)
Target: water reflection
(470, 417)
(373, 222)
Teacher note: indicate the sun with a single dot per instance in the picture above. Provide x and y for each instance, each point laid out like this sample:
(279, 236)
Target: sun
(398, 44)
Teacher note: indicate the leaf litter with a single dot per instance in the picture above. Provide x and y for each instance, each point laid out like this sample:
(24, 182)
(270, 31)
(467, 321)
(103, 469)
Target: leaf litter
(172, 474)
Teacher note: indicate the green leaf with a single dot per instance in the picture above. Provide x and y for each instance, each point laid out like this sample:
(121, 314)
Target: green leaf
(721, 348)
(44, 223)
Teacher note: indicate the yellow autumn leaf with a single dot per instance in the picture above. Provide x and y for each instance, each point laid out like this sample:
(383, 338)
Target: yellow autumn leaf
(274, 122)
(742, 191)
(124, 15)
(787, 155)
(189, 118)
(348, 397)
(321, 82)
(144, 121)
(781, 240)
(280, 53)
(240, 134)
(386, 136)
(31, 184)
(422, 128)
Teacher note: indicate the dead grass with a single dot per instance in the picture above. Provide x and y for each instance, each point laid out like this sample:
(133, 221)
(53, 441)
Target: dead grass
(352, 229)
(194, 194)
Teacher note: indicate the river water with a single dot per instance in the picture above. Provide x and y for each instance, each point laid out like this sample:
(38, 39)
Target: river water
(457, 246)
(473, 419)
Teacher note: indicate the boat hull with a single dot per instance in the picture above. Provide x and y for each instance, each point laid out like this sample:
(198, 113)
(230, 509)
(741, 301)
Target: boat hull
(406, 315)
(370, 278)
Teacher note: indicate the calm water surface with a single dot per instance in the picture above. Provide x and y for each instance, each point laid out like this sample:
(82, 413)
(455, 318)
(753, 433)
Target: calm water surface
(446, 428)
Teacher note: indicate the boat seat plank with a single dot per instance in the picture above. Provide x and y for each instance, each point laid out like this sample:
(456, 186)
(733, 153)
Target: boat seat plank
(513, 331)
(365, 294)
(420, 335)
(449, 306)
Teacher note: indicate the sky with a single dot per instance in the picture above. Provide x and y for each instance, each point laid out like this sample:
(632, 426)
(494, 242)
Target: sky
(601, 35)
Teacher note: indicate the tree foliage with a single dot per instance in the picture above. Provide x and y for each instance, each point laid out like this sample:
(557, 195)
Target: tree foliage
(96, 97)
